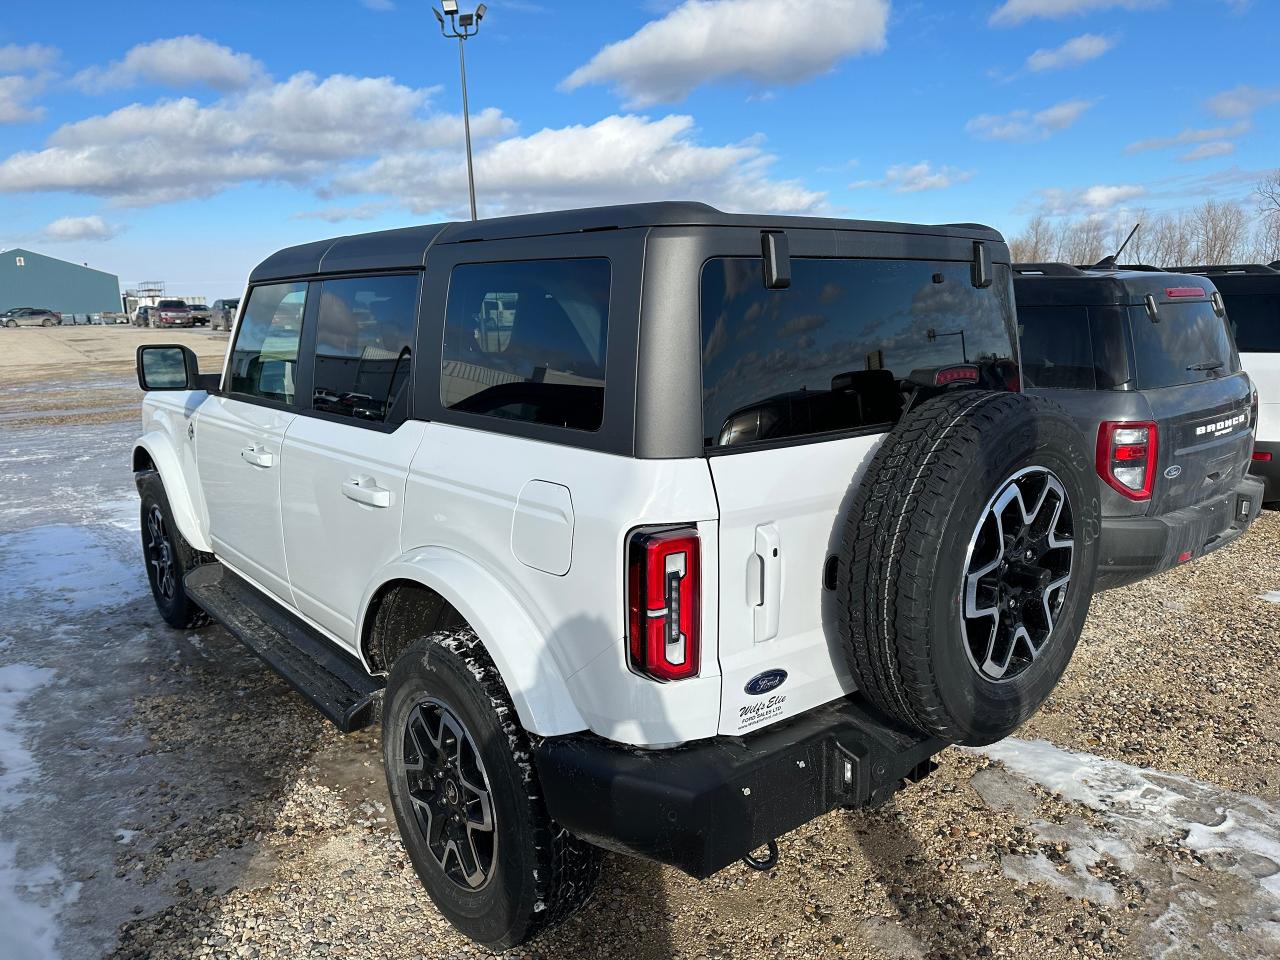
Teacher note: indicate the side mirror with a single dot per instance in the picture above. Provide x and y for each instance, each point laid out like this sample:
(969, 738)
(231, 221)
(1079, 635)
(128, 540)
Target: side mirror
(167, 367)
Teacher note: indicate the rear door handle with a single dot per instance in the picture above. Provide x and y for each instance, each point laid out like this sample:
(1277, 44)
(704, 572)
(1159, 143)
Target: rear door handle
(258, 455)
(366, 490)
(767, 566)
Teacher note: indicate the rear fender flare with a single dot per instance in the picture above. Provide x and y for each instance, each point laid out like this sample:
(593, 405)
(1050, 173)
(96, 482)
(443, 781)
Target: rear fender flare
(519, 649)
(158, 448)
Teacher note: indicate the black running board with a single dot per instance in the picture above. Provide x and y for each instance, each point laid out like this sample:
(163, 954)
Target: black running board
(328, 676)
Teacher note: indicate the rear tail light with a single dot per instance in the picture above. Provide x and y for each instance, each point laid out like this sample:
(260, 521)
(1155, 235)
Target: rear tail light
(1127, 455)
(1175, 292)
(960, 373)
(1261, 457)
(664, 583)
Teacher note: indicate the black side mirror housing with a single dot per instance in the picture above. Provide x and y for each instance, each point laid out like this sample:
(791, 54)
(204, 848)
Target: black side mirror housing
(168, 366)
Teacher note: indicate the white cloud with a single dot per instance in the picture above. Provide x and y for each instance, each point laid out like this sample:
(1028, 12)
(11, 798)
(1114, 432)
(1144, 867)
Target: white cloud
(1242, 101)
(916, 177)
(362, 211)
(618, 159)
(79, 228)
(1024, 125)
(1214, 148)
(762, 41)
(1078, 50)
(295, 131)
(382, 6)
(1098, 199)
(176, 62)
(21, 58)
(1018, 11)
(16, 93)
(1189, 135)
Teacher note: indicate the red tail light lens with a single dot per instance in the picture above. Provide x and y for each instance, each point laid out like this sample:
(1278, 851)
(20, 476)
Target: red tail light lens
(1261, 457)
(1127, 454)
(1174, 292)
(664, 580)
(960, 373)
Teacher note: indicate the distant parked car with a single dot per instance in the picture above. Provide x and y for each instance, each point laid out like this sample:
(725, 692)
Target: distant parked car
(1251, 293)
(200, 314)
(224, 314)
(30, 317)
(1144, 362)
(141, 317)
(171, 313)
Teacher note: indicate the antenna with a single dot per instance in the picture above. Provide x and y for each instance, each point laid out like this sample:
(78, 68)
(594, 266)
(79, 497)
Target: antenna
(1113, 261)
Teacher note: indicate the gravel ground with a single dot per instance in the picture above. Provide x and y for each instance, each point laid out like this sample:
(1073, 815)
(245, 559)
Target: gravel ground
(164, 795)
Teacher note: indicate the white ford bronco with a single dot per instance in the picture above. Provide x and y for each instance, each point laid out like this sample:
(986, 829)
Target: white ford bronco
(646, 528)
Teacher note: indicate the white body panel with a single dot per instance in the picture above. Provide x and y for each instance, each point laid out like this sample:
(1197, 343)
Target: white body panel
(1264, 371)
(341, 502)
(238, 450)
(782, 513)
(168, 437)
(464, 487)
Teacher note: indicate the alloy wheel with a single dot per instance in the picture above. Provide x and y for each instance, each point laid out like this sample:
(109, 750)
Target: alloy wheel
(450, 794)
(1017, 573)
(160, 554)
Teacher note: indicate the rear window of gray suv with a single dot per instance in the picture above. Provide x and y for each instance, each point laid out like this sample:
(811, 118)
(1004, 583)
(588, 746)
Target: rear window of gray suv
(1189, 343)
(842, 348)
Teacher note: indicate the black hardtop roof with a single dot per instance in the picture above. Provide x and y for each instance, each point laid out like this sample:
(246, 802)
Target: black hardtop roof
(1061, 284)
(406, 248)
(1232, 268)
(1241, 279)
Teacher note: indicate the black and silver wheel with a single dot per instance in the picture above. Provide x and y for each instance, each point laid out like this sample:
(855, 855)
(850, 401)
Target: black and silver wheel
(449, 789)
(168, 556)
(1017, 573)
(11, 323)
(968, 562)
(467, 799)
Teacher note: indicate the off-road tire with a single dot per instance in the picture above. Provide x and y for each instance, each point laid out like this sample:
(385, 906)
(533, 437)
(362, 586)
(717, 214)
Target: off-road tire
(178, 610)
(904, 551)
(541, 874)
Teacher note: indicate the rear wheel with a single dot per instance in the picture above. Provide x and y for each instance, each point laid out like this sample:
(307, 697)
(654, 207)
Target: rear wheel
(971, 552)
(11, 323)
(168, 557)
(47, 322)
(467, 799)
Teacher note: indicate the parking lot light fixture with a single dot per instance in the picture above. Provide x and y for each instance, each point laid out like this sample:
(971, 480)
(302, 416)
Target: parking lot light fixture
(462, 27)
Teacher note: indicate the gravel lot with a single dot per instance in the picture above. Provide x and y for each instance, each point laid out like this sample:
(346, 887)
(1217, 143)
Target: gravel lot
(164, 795)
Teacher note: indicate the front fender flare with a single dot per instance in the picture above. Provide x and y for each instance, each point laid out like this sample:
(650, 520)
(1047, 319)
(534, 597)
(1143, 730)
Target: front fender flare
(162, 454)
(519, 649)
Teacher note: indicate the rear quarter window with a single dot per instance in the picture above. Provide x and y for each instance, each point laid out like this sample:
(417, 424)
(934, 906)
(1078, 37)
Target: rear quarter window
(845, 346)
(1255, 320)
(1056, 347)
(1188, 344)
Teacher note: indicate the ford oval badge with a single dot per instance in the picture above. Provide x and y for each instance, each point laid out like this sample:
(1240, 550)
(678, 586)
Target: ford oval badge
(1173, 472)
(762, 683)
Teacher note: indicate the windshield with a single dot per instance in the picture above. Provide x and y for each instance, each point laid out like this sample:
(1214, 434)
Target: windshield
(1189, 343)
(172, 304)
(846, 346)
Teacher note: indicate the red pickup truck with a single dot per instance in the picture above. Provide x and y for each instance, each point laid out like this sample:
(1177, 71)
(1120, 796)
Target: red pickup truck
(172, 313)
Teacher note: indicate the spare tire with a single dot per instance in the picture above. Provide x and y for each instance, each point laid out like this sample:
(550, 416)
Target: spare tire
(968, 562)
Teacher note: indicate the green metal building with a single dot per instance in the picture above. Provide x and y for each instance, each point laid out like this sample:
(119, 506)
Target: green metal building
(29, 279)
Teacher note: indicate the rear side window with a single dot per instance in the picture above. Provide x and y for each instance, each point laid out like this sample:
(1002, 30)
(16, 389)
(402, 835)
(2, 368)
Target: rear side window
(525, 340)
(265, 358)
(1056, 347)
(845, 346)
(1188, 344)
(1255, 321)
(364, 332)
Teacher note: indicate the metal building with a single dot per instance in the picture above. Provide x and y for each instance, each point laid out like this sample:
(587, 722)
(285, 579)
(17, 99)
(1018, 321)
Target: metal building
(29, 279)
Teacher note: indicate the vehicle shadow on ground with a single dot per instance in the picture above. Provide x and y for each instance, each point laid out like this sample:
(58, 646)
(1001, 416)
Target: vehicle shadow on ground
(931, 918)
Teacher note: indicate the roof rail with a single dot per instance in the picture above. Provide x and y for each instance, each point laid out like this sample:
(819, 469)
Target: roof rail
(1047, 270)
(1230, 268)
(1118, 267)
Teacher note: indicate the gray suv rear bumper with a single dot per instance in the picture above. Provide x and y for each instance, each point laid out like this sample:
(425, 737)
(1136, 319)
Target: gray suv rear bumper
(1137, 547)
(1268, 471)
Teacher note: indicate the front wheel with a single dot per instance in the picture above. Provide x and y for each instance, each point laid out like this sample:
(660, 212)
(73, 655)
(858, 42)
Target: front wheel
(46, 322)
(168, 557)
(467, 798)
(11, 323)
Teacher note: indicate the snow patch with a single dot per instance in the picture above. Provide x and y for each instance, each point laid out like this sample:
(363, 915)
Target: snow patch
(18, 681)
(1272, 597)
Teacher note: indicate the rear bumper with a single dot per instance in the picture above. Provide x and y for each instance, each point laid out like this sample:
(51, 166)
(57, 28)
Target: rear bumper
(1268, 472)
(1133, 548)
(702, 806)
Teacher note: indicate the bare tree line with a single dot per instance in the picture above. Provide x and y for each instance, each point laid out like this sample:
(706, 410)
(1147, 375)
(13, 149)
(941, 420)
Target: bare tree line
(1216, 232)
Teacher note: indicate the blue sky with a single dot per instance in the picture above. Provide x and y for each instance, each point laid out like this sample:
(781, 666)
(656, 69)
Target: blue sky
(186, 141)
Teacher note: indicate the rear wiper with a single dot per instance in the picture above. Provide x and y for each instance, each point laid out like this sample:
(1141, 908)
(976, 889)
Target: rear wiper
(1206, 365)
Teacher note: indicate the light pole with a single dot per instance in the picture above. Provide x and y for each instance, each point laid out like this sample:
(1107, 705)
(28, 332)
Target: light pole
(462, 26)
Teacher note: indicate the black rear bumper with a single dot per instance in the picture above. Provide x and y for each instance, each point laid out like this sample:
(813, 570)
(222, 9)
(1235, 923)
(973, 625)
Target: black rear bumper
(1268, 471)
(1133, 548)
(702, 806)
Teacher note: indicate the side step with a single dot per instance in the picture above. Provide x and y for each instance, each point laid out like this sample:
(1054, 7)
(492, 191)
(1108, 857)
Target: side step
(329, 677)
